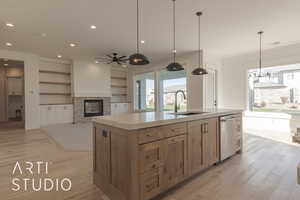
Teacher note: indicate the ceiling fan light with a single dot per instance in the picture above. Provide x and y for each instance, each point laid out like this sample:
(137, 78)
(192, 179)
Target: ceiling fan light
(138, 59)
(199, 71)
(174, 67)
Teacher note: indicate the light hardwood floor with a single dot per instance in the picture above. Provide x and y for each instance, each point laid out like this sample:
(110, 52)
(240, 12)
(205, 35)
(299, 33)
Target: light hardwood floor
(266, 170)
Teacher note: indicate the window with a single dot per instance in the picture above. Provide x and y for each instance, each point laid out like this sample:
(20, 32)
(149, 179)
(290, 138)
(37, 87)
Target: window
(279, 92)
(169, 83)
(145, 92)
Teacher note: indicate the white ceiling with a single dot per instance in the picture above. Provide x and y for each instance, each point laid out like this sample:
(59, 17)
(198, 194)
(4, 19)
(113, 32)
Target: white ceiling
(229, 27)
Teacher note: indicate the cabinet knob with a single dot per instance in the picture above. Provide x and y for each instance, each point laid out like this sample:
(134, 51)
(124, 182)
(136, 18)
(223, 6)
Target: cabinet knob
(104, 133)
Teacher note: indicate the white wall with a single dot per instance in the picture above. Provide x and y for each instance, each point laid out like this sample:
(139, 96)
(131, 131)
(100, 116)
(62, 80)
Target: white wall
(232, 82)
(91, 79)
(31, 75)
(194, 83)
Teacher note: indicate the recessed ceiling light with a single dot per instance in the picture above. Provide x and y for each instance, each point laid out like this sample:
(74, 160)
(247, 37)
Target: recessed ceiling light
(8, 44)
(93, 27)
(10, 25)
(72, 45)
(59, 56)
(174, 51)
(5, 64)
(44, 34)
(97, 62)
(143, 41)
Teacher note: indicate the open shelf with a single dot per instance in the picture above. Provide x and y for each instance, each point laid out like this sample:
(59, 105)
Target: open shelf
(55, 83)
(119, 95)
(54, 72)
(118, 78)
(55, 104)
(53, 93)
(118, 86)
(20, 77)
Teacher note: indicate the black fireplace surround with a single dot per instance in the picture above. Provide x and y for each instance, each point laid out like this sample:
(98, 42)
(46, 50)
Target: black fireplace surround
(93, 107)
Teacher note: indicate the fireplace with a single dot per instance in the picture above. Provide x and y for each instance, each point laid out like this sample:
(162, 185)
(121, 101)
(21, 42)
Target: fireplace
(85, 112)
(93, 107)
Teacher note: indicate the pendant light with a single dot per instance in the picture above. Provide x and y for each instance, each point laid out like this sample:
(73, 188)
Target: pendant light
(200, 70)
(260, 33)
(174, 66)
(137, 58)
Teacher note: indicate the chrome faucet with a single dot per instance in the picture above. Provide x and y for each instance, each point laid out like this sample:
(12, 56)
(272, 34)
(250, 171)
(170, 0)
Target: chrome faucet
(176, 93)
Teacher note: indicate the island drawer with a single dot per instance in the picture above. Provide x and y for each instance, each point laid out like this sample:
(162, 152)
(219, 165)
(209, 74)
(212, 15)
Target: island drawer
(151, 184)
(149, 135)
(173, 129)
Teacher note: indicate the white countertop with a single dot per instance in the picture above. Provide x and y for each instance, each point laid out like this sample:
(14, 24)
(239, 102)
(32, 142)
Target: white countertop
(133, 121)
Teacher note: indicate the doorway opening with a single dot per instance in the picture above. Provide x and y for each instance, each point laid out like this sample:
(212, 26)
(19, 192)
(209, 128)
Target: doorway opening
(12, 98)
(274, 103)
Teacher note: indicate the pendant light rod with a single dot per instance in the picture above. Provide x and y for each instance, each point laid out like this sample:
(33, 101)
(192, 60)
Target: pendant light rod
(137, 26)
(260, 52)
(199, 39)
(174, 31)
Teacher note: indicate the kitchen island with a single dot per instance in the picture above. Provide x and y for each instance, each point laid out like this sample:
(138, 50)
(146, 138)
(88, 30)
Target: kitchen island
(140, 155)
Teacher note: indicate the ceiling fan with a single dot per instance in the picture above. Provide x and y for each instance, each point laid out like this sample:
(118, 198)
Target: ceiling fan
(113, 59)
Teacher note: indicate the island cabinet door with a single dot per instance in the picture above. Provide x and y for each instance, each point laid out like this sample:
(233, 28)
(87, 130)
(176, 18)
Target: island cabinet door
(195, 146)
(150, 156)
(175, 160)
(102, 161)
(210, 137)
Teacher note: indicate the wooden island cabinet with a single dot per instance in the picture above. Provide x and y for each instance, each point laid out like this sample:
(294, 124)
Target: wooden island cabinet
(140, 164)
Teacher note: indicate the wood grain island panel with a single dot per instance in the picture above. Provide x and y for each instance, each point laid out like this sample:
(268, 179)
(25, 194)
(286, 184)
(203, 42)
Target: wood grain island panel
(142, 163)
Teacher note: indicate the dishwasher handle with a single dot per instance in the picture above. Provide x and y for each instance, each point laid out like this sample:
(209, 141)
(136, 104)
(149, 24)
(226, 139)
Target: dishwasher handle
(224, 119)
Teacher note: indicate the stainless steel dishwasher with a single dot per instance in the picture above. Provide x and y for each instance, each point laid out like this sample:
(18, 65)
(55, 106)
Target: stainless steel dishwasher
(228, 135)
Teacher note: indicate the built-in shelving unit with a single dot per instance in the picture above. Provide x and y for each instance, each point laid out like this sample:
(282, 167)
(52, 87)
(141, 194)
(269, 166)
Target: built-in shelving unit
(55, 82)
(119, 85)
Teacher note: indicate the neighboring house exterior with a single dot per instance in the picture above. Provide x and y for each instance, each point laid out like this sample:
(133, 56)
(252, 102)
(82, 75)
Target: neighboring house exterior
(279, 91)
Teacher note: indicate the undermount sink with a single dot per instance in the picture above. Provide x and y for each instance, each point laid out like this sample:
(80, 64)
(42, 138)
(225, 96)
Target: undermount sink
(188, 113)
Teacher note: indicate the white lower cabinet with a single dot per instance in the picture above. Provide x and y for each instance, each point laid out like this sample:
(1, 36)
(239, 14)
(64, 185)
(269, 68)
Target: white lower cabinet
(56, 114)
(118, 108)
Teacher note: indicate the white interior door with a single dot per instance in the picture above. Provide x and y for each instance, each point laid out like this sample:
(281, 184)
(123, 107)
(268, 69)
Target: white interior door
(210, 89)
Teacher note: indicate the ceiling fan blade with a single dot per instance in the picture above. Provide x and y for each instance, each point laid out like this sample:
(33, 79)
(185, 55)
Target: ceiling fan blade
(124, 60)
(109, 56)
(120, 58)
(102, 58)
